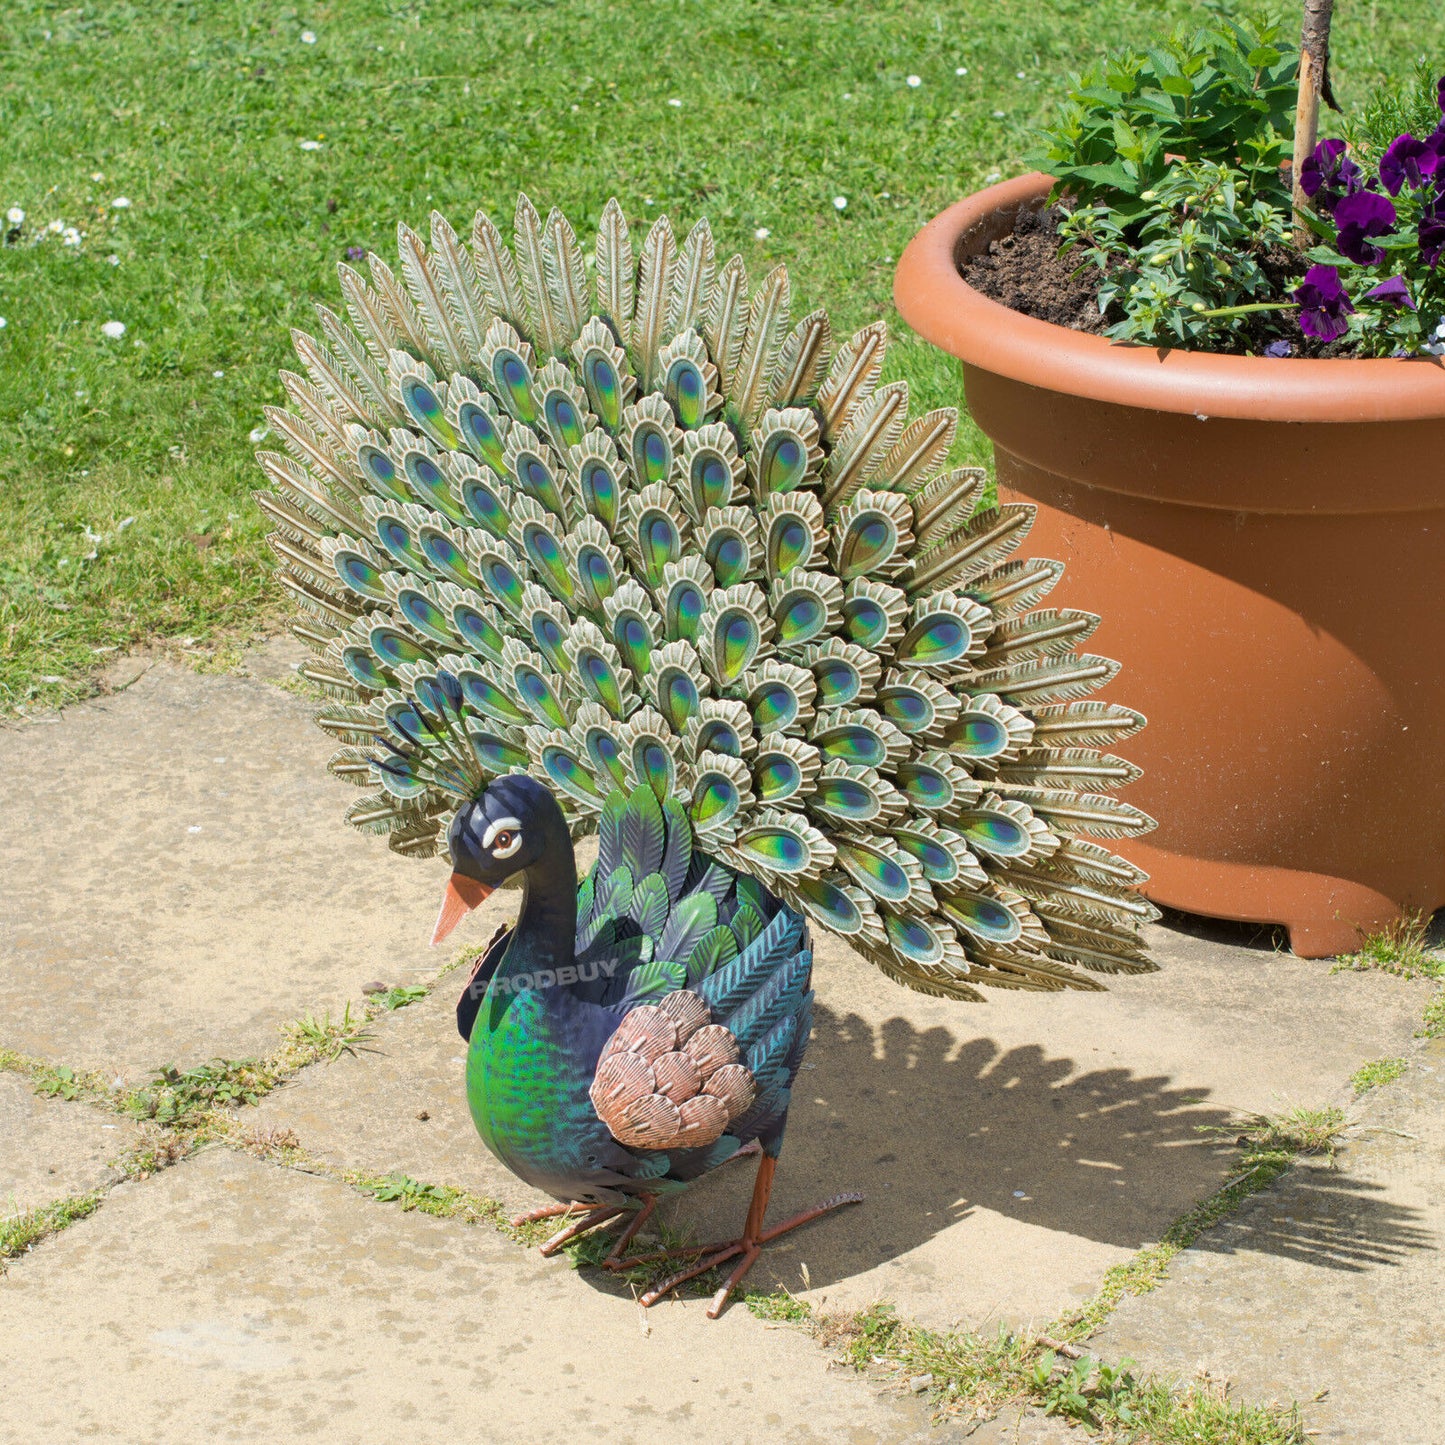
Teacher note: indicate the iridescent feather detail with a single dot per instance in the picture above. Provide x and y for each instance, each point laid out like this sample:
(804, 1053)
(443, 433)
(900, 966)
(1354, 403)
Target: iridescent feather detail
(639, 530)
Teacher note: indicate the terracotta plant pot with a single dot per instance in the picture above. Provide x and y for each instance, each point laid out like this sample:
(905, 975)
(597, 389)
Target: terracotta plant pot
(1265, 540)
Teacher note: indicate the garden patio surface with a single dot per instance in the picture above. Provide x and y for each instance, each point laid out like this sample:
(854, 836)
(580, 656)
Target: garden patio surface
(178, 886)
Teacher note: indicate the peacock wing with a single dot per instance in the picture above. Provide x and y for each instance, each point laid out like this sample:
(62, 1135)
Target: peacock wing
(669, 1078)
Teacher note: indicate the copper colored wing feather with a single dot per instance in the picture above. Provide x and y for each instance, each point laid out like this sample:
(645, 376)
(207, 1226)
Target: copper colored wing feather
(669, 1079)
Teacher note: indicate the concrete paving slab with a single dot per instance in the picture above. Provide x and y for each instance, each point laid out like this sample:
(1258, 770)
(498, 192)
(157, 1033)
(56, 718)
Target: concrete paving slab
(53, 1147)
(1026, 1427)
(178, 880)
(229, 1300)
(1327, 1288)
(401, 1104)
(1010, 1153)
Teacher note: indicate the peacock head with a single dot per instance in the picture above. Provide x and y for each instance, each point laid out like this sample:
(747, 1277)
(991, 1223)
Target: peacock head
(511, 827)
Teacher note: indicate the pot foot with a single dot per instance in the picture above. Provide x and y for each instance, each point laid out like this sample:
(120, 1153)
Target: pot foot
(1324, 916)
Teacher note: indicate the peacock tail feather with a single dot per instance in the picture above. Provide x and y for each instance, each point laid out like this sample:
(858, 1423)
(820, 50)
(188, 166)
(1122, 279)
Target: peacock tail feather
(645, 530)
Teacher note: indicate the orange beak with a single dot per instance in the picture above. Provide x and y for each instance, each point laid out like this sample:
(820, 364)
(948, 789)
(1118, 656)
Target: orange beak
(463, 894)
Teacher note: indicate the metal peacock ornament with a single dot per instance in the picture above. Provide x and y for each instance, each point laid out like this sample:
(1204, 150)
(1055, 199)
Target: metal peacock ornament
(641, 557)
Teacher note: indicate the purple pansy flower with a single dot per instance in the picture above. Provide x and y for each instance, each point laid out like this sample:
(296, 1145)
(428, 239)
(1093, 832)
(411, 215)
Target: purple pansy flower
(1279, 348)
(1360, 216)
(1323, 304)
(1394, 290)
(1328, 175)
(1408, 161)
(1431, 231)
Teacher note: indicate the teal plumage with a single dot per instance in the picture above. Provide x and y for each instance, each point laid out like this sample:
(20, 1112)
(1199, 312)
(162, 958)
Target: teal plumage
(654, 498)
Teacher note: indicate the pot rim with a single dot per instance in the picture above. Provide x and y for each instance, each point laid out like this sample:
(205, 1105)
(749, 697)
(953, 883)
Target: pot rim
(943, 308)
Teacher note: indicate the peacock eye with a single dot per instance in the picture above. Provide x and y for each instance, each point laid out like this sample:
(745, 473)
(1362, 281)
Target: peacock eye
(505, 843)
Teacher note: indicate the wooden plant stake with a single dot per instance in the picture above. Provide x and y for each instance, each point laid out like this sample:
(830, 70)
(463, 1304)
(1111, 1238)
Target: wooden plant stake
(1314, 83)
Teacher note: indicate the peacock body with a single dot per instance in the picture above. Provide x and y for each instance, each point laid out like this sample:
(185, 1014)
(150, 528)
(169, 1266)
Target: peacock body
(676, 1027)
(639, 555)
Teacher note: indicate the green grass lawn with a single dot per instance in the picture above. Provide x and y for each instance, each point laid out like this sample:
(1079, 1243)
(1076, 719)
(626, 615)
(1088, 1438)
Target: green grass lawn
(125, 465)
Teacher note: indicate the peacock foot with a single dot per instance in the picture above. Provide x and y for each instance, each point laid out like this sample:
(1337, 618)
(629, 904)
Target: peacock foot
(745, 1249)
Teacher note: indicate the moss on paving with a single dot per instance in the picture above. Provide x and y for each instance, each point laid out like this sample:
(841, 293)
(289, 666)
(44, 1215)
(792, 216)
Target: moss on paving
(126, 472)
(1375, 1073)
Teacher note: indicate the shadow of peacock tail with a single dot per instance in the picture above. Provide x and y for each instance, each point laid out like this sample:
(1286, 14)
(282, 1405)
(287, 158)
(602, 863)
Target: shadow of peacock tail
(643, 530)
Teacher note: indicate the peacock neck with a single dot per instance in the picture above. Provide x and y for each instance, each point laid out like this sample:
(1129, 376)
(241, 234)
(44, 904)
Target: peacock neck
(546, 933)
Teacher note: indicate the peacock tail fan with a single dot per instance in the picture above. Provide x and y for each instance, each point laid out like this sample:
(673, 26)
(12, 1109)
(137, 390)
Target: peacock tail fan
(649, 531)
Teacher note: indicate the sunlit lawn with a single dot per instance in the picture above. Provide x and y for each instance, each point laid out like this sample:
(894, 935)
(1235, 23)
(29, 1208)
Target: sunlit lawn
(194, 111)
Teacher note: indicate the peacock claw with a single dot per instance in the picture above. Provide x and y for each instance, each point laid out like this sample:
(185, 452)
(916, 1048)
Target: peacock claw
(569, 1232)
(547, 1211)
(615, 1258)
(749, 1245)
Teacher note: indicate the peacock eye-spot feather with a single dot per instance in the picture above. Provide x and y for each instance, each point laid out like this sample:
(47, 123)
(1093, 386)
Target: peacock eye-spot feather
(422, 400)
(379, 465)
(603, 387)
(791, 540)
(479, 424)
(728, 556)
(562, 418)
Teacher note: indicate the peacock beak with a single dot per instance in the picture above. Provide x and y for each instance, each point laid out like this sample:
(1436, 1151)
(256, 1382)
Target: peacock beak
(463, 894)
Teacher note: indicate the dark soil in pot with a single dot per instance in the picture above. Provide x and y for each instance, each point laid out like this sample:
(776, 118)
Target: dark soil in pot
(1025, 272)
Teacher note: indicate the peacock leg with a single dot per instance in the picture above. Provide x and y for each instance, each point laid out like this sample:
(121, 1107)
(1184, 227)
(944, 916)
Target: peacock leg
(749, 1245)
(590, 1220)
(614, 1259)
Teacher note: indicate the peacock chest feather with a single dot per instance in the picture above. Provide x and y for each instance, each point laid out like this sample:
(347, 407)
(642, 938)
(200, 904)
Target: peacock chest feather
(529, 1066)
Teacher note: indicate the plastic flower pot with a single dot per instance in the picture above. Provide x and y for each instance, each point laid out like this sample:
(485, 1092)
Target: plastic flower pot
(1265, 540)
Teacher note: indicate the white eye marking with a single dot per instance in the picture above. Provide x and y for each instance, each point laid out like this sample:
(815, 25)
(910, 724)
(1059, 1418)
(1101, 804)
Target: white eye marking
(512, 825)
(503, 837)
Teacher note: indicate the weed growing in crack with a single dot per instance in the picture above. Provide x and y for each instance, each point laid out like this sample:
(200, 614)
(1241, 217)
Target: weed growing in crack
(59, 1083)
(270, 1141)
(22, 1232)
(175, 1099)
(409, 1193)
(1296, 1130)
(52, 1082)
(1403, 949)
(323, 1039)
(977, 1377)
(1432, 1024)
(158, 1149)
(1376, 1072)
(399, 997)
